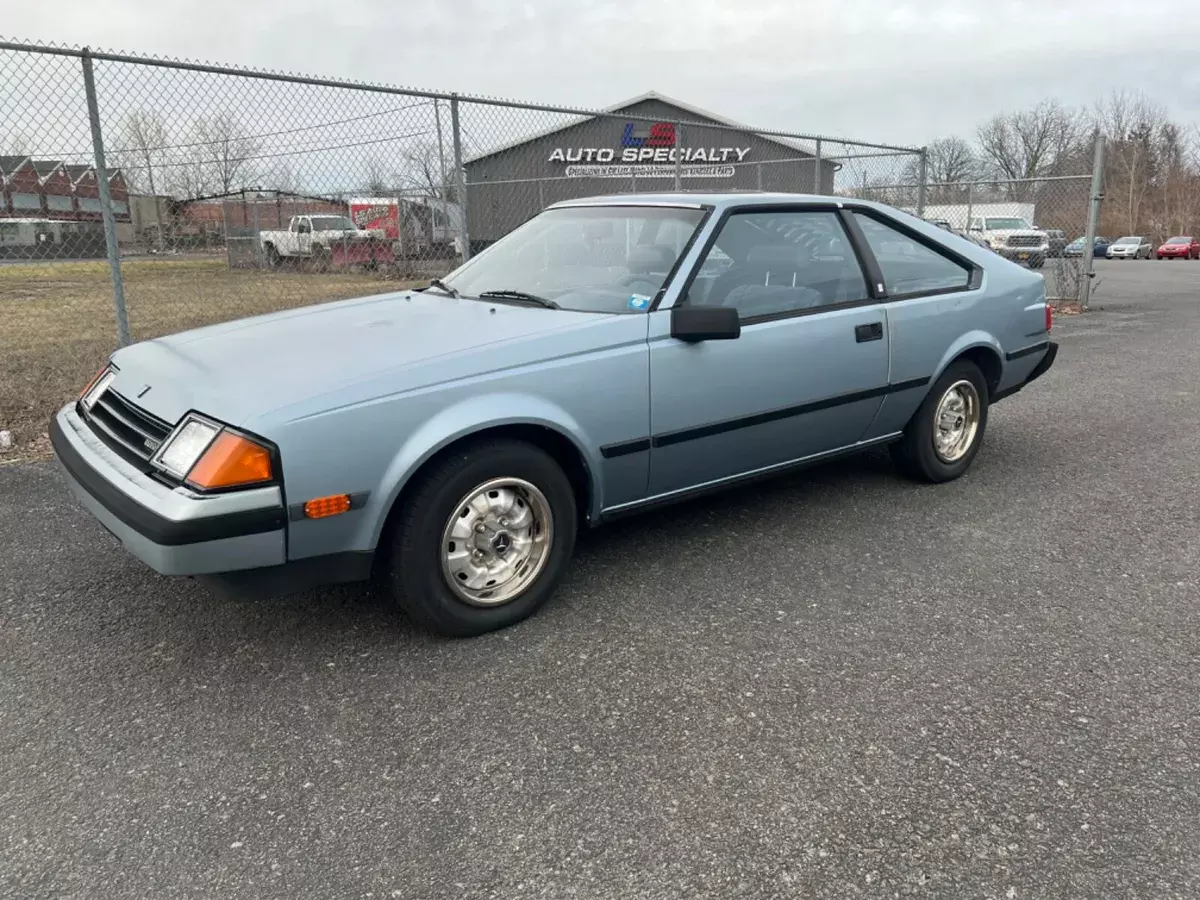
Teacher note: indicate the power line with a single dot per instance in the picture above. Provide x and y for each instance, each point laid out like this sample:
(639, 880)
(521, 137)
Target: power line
(267, 134)
(242, 159)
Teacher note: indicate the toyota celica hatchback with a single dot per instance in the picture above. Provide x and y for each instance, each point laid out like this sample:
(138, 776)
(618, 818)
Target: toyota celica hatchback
(609, 355)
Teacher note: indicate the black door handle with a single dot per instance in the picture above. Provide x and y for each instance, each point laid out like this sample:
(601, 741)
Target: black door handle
(871, 332)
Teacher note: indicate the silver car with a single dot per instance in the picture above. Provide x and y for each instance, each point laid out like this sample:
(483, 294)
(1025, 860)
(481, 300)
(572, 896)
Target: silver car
(1130, 248)
(608, 356)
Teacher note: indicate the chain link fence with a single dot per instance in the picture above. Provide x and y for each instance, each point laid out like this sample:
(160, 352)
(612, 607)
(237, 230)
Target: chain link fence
(1038, 222)
(143, 196)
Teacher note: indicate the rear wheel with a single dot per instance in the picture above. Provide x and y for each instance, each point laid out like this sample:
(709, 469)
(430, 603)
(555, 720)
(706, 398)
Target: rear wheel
(484, 539)
(943, 436)
(272, 257)
(321, 258)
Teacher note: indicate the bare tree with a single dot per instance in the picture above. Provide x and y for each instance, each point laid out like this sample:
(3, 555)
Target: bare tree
(1032, 143)
(222, 154)
(142, 148)
(281, 177)
(375, 180)
(17, 143)
(425, 173)
(1142, 145)
(947, 160)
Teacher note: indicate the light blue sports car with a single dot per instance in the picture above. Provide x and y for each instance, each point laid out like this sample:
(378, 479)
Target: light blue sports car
(609, 355)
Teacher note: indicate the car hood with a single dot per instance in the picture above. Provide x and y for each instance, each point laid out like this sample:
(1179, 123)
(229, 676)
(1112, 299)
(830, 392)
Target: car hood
(241, 370)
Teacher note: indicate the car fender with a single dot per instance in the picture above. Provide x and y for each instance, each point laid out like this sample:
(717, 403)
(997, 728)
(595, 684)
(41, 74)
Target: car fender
(472, 416)
(968, 341)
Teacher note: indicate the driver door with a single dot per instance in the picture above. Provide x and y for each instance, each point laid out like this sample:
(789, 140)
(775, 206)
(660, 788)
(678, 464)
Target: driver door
(304, 236)
(808, 372)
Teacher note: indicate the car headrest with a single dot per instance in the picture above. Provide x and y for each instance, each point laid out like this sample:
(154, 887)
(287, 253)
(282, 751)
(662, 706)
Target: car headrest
(772, 256)
(649, 258)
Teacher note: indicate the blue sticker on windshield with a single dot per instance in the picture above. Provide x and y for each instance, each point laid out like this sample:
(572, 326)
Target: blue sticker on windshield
(638, 301)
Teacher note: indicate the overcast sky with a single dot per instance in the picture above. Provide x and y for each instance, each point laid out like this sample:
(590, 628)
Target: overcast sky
(898, 71)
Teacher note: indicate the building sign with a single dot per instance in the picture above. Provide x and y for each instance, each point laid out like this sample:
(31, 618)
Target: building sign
(649, 150)
(373, 214)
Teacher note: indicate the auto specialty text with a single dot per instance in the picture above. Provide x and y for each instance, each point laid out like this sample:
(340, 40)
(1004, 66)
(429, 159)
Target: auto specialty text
(650, 154)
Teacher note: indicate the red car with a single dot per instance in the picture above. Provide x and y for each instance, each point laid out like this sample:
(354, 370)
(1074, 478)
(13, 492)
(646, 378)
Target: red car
(1180, 247)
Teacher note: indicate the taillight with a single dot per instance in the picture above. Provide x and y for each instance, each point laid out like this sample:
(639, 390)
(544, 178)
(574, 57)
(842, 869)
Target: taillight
(1049, 317)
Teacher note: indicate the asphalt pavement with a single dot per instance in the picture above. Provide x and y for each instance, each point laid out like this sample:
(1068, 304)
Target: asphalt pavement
(835, 685)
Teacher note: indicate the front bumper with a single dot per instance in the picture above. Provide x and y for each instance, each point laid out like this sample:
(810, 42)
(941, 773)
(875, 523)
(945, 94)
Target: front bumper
(172, 529)
(1022, 254)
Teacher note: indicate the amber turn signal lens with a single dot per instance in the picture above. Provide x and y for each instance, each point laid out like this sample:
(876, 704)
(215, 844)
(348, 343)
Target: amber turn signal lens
(327, 506)
(231, 461)
(91, 383)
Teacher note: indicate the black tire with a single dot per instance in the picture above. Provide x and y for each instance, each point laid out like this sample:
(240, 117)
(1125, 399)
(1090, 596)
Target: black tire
(321, 259)
(274, 260)
(914, 454)
(414, 572)
(1037, 262)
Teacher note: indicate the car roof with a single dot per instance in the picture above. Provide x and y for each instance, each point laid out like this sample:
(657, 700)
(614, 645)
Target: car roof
(717, 199)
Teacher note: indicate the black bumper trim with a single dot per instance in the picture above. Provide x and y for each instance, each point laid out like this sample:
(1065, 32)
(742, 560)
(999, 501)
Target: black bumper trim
(1027, 351)
(151, 525)
(292, 577)
(1039, 370)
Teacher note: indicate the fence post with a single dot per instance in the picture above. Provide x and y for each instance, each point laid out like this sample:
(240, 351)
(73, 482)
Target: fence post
(441, 188)
(541, 194)
(817, 170)
(460, 176)
(1089, 242)
(106, 211)
(759, 167)
(970, 204)
(924, 177)
(679, 156)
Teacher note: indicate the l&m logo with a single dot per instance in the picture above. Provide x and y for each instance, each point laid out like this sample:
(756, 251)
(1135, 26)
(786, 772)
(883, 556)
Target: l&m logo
(659, 134)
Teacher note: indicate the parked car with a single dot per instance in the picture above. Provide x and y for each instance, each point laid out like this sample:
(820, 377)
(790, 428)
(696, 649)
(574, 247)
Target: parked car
(608, 356)
(1130, 248)
(1056, 242)
(1013, 238)
(1075, 248)
(1184, 247)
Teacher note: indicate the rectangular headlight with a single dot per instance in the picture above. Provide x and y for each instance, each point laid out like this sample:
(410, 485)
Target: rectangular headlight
(98, 386)
(185, 445)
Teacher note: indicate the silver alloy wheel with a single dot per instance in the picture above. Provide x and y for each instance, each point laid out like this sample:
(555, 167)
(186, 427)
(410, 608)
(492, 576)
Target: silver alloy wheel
(497, 541)
(956, 421)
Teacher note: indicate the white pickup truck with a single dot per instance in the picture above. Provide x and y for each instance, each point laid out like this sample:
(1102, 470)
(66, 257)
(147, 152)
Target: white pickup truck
(323, 239)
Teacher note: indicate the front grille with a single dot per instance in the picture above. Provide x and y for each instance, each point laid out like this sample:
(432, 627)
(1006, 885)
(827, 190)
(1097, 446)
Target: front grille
(131, 432)
(1024, 240)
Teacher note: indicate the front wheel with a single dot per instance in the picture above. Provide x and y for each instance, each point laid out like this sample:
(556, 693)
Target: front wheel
(484, 539)
(943, 436)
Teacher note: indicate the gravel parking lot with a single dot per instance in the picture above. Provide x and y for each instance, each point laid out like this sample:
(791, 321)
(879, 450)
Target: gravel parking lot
(834, 685)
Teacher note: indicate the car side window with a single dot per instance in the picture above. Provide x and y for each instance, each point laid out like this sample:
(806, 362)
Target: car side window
(775, 263)
(908, 266)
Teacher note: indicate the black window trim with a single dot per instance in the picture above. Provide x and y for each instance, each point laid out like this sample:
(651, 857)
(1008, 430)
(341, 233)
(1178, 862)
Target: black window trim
(802, 206)
(974, 270)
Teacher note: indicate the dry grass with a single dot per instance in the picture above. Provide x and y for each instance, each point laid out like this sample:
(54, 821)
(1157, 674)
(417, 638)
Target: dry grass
(57, 324)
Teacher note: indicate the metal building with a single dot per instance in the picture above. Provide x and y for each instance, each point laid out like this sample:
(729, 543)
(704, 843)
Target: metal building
(607, 154)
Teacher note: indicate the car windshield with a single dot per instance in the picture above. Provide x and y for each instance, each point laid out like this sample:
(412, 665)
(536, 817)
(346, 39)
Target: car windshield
(1180, 240)
(1007, 224)
(603, 259)
(332, 223)
(1129, 240)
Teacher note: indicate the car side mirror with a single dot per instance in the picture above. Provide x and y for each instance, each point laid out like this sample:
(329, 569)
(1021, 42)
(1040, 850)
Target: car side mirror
(976, 228)
(705, 323)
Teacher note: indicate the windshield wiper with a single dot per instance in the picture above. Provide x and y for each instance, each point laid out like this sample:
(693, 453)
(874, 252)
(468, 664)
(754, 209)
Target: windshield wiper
(521, 295)
(442, 286)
